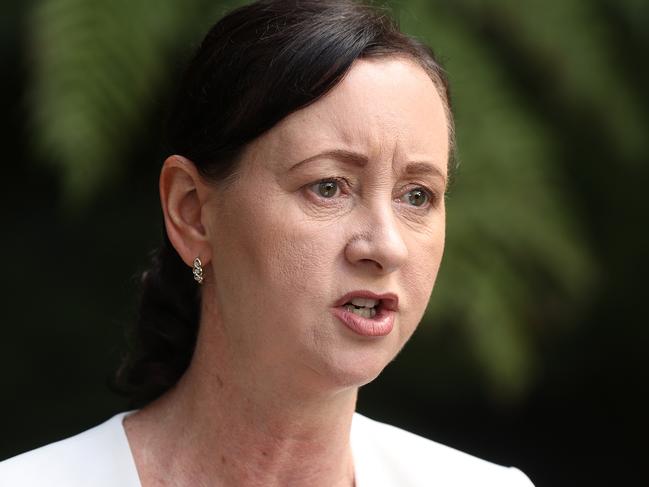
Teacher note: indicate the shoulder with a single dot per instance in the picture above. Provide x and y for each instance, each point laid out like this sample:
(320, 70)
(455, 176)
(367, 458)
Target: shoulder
(98, 457)
(385, 456)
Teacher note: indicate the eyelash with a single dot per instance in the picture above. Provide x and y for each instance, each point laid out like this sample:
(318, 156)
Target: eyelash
(342, 184)
(430, 195)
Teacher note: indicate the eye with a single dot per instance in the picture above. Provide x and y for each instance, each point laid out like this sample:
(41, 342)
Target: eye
(327, 188)
(417, 197)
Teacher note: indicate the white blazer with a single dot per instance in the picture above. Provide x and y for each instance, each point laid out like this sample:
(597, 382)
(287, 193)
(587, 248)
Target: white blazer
(384, 456)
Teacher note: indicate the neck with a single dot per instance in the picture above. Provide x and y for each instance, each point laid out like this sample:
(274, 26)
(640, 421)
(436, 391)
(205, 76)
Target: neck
(219, 428)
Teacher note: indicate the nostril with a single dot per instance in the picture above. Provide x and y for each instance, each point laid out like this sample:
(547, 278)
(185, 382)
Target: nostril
(372, 262)
(380, 248)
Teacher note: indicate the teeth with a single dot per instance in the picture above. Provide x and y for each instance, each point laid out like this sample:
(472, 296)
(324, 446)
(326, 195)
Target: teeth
(367, 303)
(364, 312)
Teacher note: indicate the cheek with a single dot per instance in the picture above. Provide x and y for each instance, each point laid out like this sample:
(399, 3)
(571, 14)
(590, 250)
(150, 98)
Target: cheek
(304, 260)
(420, 273)
(282, 255)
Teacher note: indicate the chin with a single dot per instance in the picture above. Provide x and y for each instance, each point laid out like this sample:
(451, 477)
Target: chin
(337, 358)
(353, 368)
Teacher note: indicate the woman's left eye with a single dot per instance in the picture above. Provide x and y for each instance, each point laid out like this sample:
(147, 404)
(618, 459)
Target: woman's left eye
(418, 197)
(327, 188)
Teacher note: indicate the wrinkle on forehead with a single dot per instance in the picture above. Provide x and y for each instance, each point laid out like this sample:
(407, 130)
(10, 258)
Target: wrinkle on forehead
(387, 109)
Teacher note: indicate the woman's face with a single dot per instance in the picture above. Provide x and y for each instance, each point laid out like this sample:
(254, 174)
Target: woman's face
(344, 196)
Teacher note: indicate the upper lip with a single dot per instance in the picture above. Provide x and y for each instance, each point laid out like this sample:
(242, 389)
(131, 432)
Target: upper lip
(389, 301)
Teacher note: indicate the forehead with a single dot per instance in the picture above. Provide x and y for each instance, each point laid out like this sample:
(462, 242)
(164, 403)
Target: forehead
(382, 105)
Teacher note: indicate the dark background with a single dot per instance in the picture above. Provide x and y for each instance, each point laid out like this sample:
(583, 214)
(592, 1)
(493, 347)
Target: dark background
(533, 352)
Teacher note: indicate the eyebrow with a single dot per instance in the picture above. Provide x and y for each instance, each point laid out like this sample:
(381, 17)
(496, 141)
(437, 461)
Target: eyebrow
(358, 159)
(425, 168)
(338, 154)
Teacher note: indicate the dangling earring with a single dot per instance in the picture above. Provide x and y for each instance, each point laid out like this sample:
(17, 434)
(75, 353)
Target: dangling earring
(198, 270)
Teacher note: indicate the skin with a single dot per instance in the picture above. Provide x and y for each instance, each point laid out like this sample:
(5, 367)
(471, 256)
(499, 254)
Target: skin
(269, 395)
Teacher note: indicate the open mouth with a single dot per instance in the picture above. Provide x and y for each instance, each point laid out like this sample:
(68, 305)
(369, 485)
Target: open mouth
(367, 308)
(367, 313)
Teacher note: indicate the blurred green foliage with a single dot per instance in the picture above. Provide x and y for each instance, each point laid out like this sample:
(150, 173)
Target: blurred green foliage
(533, 351)
(518, 265)
(98, 69)
(515, 242)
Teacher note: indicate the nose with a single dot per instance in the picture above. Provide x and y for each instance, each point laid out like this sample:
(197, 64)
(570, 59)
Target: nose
(379, 244)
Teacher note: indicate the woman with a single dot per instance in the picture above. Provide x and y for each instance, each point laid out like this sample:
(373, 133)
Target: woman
(304, 212)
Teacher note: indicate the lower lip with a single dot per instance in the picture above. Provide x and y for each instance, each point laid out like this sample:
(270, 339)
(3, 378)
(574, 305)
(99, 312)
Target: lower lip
(379, 325)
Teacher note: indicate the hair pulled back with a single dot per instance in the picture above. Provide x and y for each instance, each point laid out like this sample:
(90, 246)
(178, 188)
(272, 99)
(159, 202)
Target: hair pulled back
(258, 64)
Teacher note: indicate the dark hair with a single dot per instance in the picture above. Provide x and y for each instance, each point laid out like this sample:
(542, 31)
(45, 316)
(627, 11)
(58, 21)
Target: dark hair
(257, 65)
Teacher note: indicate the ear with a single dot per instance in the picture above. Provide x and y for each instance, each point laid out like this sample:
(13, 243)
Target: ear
(183, 196)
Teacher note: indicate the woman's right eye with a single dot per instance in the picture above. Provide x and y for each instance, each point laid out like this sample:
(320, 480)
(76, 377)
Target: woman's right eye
(327, 188)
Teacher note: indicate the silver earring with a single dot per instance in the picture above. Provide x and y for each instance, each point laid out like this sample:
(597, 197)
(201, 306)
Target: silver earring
(198, 270)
